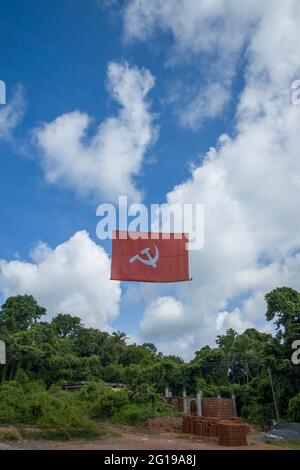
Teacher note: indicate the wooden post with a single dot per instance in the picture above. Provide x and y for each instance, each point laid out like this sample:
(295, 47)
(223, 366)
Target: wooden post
(199, 403)
(166, 392)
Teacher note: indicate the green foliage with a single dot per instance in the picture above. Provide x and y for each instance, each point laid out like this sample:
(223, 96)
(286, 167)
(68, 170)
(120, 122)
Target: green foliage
(66, 325)
(108, 402)
(144, 403)
(211, 390)
(282, 443)
(210, 364)
(56, 412)
(19, 313)
(283, 305)
(114, 373)
(13, 403)
(294, 408)
(253, 413)
(134, 414)
(41, 355)
(147, 394)
(9, 436)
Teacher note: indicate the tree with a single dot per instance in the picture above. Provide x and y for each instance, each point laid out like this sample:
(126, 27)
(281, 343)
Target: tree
(19, 313)
(114, 373)
(283, 305)
(66, 325)
(151, 347)
(119, 337)
(137, 354)
(117, 344)
(212, 365)
(89, 341)
(64, 350)
(167, 372)
(225, 342)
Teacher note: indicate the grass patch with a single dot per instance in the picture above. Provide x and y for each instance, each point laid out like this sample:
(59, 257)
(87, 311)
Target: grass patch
(115, 434)
(280, 443)
(9, 436)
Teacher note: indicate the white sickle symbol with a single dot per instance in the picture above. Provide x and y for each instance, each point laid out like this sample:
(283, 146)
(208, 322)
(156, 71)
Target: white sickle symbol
(150, 261)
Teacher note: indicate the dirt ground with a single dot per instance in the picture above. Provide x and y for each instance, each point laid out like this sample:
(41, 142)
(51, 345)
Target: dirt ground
(128, 439)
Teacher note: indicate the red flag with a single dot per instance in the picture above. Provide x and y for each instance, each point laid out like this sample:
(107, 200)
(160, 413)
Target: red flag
(150, 258)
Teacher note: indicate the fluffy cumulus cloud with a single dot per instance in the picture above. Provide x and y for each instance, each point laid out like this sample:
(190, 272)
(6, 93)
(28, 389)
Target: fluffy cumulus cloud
(107, 163)
(159, 317)
(209, 35)
(72, 278)
(11, 114)
(249, 182)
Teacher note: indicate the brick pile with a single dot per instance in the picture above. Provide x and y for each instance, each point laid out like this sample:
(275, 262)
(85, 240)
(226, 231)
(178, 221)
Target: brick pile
(200, 426)
(230, 432)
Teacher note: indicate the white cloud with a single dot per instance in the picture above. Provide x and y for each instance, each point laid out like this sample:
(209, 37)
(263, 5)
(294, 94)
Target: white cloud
(209, 103)
(107, 163)
(217, 27)
(162, 318)
(11, 114)
(72, 278)
(248, 182)
(208, 36)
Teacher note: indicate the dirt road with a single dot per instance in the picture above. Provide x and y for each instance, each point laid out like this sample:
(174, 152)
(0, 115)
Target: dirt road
(132, 440)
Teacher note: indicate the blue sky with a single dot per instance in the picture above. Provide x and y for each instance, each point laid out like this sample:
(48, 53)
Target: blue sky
(58, 53)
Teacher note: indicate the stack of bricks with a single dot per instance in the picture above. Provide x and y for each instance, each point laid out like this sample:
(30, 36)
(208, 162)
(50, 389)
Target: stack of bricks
(230, 432)
(200, 426)
(206, 427)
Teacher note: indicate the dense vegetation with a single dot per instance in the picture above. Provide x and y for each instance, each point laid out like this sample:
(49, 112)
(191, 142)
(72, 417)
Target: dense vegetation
(43, 355)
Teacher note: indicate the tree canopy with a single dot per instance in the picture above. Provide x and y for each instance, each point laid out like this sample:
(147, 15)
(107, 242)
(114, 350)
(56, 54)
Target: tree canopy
(63, 349)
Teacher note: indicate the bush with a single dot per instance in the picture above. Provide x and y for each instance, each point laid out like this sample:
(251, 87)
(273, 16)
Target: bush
(64, 419)
(294, 408)
(13, 403)
(56, 412)
(134, 414)
(90, 392)
(108, 402)
(145, 403)
(147, 394)
(253, 413)
(64, 415)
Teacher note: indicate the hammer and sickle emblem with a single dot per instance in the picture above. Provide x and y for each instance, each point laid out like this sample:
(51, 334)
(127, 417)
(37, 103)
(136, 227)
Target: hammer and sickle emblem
(150, 261)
